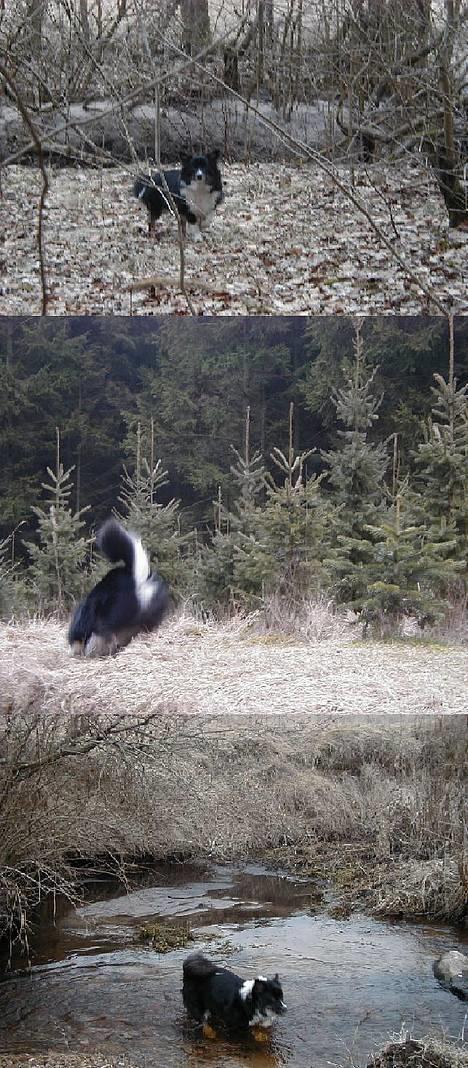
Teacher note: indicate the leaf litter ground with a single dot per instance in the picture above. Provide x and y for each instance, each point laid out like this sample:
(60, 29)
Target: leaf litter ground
(285, 241)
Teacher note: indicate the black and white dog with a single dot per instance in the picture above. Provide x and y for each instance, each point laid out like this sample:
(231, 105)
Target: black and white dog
(214, 995)
(196, 189)
(128, 600)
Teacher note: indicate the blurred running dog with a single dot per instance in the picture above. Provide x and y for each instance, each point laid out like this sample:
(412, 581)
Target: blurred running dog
(196, 190)
(128, 600)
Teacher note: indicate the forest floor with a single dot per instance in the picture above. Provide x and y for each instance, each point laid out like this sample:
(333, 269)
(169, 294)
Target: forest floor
(225, 669)
(285, 241)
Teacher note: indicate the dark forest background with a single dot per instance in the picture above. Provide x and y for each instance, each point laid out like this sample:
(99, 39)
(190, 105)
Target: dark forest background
(96, 378)
(178, 390)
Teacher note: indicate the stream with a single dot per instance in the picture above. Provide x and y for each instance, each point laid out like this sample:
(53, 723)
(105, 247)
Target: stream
(350, 984)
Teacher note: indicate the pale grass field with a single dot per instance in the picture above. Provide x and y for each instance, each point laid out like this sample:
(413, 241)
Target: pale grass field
(225, 669)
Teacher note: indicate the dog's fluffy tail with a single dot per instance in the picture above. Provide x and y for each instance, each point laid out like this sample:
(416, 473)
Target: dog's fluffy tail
(198, 967)
(120, 545)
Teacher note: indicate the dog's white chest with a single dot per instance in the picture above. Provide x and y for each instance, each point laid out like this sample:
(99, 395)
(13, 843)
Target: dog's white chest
(200, 198)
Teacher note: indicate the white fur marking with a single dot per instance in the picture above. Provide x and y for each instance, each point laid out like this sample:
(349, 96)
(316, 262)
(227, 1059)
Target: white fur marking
(200, 198)
(141, 568)
(146, 592)
(265, 1019)
(262, 979)
(246, 989)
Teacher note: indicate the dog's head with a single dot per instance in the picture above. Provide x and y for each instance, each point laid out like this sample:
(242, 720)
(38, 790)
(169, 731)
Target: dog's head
(197, 169)
(267, 1001)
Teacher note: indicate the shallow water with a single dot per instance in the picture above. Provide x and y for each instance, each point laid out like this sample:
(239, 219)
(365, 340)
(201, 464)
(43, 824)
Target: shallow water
(349, 984)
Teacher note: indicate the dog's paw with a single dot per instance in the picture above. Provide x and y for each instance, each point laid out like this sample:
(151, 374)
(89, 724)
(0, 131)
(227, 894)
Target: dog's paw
(260, 1034)
(208, 1031)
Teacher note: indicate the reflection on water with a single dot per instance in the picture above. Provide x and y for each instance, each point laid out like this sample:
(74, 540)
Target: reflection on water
(349, 984)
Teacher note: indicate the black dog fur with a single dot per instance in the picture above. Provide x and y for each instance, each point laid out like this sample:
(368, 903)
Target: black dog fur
(215, 995)
(128, 600)
(196, 190)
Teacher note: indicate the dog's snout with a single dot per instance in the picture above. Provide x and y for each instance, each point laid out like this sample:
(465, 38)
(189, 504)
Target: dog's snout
(283, 1006)
(199, 175)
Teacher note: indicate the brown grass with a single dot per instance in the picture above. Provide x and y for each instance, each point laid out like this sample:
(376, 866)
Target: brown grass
(421, 1053)
(219, 669)
(105, 760)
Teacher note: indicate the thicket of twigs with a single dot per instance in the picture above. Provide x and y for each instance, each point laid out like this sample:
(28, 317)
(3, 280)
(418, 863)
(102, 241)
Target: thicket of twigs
(94, 83)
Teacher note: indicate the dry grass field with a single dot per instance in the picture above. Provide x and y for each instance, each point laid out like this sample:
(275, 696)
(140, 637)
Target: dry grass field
(225, 669)
(146, 755)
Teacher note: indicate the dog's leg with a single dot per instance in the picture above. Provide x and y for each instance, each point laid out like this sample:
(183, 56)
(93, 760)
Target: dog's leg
(260, 1034)
(152, 231)
(208, 1030)
(77, 649)
(194, 231)
(97, 646)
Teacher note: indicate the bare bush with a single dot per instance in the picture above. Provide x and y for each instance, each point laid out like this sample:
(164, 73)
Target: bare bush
(101, 789)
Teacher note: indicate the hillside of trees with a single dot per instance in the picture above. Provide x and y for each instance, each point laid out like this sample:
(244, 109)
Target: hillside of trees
(255, 456)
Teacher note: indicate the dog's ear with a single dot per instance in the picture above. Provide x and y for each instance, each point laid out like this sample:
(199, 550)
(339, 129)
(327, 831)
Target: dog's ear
(277, 978)
(258, 985)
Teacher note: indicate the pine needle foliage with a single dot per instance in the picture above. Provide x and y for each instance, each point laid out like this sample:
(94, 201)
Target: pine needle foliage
(409, 570)
(273, 538)
(296, 524)
(442, 465)
(357, 468)
(356, 473)
(57, 561)
(230, 570)
(155, 522)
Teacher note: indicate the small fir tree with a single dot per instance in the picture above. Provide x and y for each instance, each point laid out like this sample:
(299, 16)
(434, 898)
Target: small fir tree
(442, 465)
(409, 572)
(156, 523)
(230, 570)
(295, 524)
(57, 561)
(356, 475)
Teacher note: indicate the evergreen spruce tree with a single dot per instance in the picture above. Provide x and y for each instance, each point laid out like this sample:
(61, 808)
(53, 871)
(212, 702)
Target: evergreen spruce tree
(356, 475)
(230, 570)
(442, 466)
(273, 538)
(156, 523)
(409, 571)
(295, 524)
(57, 561)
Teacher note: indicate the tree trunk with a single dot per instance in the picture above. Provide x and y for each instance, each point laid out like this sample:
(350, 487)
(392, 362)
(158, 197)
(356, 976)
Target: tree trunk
(447, 163)
(196, 22)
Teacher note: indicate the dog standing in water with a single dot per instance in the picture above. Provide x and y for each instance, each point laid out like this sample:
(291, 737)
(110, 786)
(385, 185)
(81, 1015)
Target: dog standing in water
(127, 601)
(214, 995)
